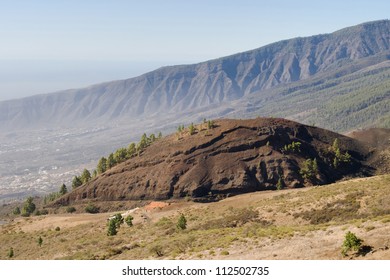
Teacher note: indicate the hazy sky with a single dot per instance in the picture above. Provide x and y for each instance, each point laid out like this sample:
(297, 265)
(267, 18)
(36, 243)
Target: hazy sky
(53, 45)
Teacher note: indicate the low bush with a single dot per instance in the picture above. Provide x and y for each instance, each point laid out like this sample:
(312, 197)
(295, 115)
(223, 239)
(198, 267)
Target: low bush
(92, 209)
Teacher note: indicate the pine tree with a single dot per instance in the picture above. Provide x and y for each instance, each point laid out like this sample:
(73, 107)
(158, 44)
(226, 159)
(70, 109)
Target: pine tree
(40, 241)
(131, 150)
(279, 185)
(28, 207)
(315, 166)
(210, 124)
(112, 228)
(120, 155)
(102, 165)
(16, 211)
(85, 176)
(63, 189)
(76, 182)
(152, 138)
(309, 169)
(144, 142)
(182, 222)
(118, 220)
(129, 220)
(111, 161)
(11, 253)
(191, 129)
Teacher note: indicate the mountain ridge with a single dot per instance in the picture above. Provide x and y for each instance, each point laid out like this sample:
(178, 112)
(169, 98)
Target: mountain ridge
(182, 88)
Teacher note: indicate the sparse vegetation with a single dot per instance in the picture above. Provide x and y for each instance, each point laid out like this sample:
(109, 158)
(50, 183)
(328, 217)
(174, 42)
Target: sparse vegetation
(343, 209)
(104, 164)
(294, 147)
(157, 250)
(216, 227)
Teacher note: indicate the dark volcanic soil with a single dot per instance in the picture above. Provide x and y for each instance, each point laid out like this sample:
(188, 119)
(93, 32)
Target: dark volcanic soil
(236, 156)
(378, 140)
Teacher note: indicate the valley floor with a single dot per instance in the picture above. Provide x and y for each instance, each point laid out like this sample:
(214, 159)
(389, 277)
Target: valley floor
(308, 223)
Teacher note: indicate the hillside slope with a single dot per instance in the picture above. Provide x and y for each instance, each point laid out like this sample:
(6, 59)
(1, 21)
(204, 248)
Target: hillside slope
(308, 223)
(236, 156)
(207, 86)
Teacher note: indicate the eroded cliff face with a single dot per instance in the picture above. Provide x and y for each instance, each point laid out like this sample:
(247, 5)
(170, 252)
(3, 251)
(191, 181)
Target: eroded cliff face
(236, 156)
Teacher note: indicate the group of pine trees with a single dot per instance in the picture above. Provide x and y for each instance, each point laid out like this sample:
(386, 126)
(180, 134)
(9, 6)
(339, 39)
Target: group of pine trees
(120, 155)
(310, 169)
(192, 128)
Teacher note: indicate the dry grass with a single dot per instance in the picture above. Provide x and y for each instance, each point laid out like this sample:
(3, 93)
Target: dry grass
(293, 224)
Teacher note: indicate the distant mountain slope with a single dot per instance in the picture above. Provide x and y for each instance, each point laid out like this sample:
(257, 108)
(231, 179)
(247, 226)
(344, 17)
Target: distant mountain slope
(296, 66)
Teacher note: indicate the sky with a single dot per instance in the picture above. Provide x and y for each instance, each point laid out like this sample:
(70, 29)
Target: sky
(48, 46)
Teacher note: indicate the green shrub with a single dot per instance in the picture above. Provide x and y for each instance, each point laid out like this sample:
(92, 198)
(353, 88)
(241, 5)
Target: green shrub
(182, 222)
(92, 209)
(16, 211)
(118, 220)
(70, 209)
(210, 124)
(191, 129)
(279, 185)
(40, 241)
(114, 224)
(351, 242)
(129, 220)
(41, 212)
(11, 253)
(112, 229)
